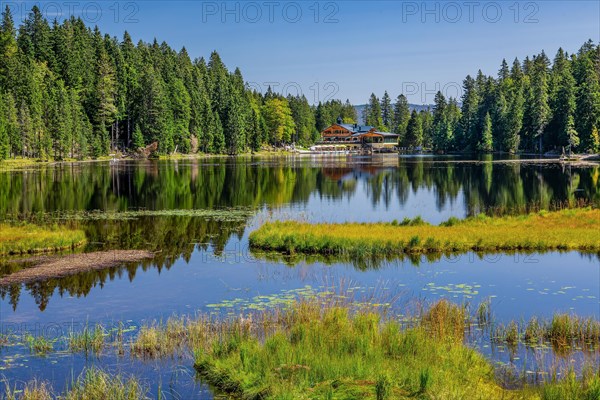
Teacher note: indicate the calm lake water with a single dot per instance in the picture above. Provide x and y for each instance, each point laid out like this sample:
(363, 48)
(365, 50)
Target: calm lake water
(205, 265)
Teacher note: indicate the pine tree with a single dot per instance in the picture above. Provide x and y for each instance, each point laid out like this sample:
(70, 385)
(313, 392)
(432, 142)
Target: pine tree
(4, 138)
(8, 49)
(11, 118)
(138, 138)
(401, 116)
(387, 112)
(105, 108)
(562, 100)
(469, 119)
(587, 116)
(513, 120)
(304, 119)
(538, 109)
(414, 131)
(440, 123)
(349, 113)
(427, 125)
(486, 143)
(373, 117)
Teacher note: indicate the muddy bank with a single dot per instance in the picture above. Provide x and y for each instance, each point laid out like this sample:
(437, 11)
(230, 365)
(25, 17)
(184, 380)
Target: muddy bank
(47, 267)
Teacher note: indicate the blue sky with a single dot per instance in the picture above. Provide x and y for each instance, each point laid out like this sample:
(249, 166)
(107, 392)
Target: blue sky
(348, 49)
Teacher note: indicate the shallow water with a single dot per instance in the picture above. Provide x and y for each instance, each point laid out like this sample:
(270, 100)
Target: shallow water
(204, 264)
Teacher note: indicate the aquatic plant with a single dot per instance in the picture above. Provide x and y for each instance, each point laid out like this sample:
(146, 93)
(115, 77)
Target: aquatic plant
(159, 340)
(577, 229)
(38, 344)
(446, 321)
(330, 352)
(563, 331)
(88, 340)
(92, 384)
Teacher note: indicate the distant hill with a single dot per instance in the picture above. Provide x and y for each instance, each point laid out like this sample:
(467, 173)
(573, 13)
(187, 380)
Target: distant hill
(359, 109)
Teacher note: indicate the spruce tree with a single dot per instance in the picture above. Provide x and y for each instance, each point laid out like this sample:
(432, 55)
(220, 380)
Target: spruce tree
(469, 119)
(440, 123)
(138, 138)
(539, 112)
(587, 97)
(401, 116)
(562, 100)
(373, 117)
(387, 112)
(4, 138)
(486, 143)
(414, 131)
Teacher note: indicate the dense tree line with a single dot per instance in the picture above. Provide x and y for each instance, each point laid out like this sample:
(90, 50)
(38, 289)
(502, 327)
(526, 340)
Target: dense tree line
(67, 90)
(533, 106)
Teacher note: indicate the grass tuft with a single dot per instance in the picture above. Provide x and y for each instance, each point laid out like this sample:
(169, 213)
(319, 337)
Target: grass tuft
(24, 239)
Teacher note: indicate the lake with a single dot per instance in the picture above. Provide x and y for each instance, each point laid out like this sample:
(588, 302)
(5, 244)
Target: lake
(204, 263)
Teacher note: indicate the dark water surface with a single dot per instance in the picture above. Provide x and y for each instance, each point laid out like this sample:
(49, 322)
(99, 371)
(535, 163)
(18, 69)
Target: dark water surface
(204, 264)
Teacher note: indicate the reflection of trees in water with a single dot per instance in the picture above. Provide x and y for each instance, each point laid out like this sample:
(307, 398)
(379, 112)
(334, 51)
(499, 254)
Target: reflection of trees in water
(246, 183)
(171, 237)
(375, 262)
(194, 185)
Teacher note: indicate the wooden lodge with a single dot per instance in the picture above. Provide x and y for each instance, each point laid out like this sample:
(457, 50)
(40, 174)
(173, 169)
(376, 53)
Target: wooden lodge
(354, 137)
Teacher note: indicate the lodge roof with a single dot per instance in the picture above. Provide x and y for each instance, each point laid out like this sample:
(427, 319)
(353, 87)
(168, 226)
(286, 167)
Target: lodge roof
(355, 128)
(359, 130)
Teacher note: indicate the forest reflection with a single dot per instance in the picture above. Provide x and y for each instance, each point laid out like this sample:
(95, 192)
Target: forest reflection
(257, 185)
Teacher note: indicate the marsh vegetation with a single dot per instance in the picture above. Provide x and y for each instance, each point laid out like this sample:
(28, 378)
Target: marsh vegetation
(572, 229)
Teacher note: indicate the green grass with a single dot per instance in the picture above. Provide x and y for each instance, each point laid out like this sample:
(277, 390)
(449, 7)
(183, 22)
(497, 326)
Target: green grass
(38, 345)
(314, 350)
(24, 239)
(563, 332)
(89, 340)
(328, 347)
(311, 351)
(92, 384)
(573, 229)
(159, 340)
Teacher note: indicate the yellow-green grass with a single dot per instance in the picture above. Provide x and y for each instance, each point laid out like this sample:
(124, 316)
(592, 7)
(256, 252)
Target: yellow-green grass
(28, 239)
(317, 351)
(572, 229)
(92, 384)
(329, 353)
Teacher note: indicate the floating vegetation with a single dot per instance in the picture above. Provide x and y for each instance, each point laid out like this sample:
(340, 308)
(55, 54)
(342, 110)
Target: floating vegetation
(562, 331)
(29, 239)
(288, 297)
(38, 345)
(233, 214)
(87, 341)
(574, 229)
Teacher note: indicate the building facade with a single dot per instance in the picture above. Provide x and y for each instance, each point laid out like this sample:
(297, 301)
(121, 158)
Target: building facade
(355, 137)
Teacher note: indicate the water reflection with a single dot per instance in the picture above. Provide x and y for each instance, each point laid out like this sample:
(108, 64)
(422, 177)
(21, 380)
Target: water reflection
(384, 181)
(331, 189)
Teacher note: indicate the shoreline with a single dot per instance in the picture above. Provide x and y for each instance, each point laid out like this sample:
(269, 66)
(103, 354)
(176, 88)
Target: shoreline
(589, 160)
